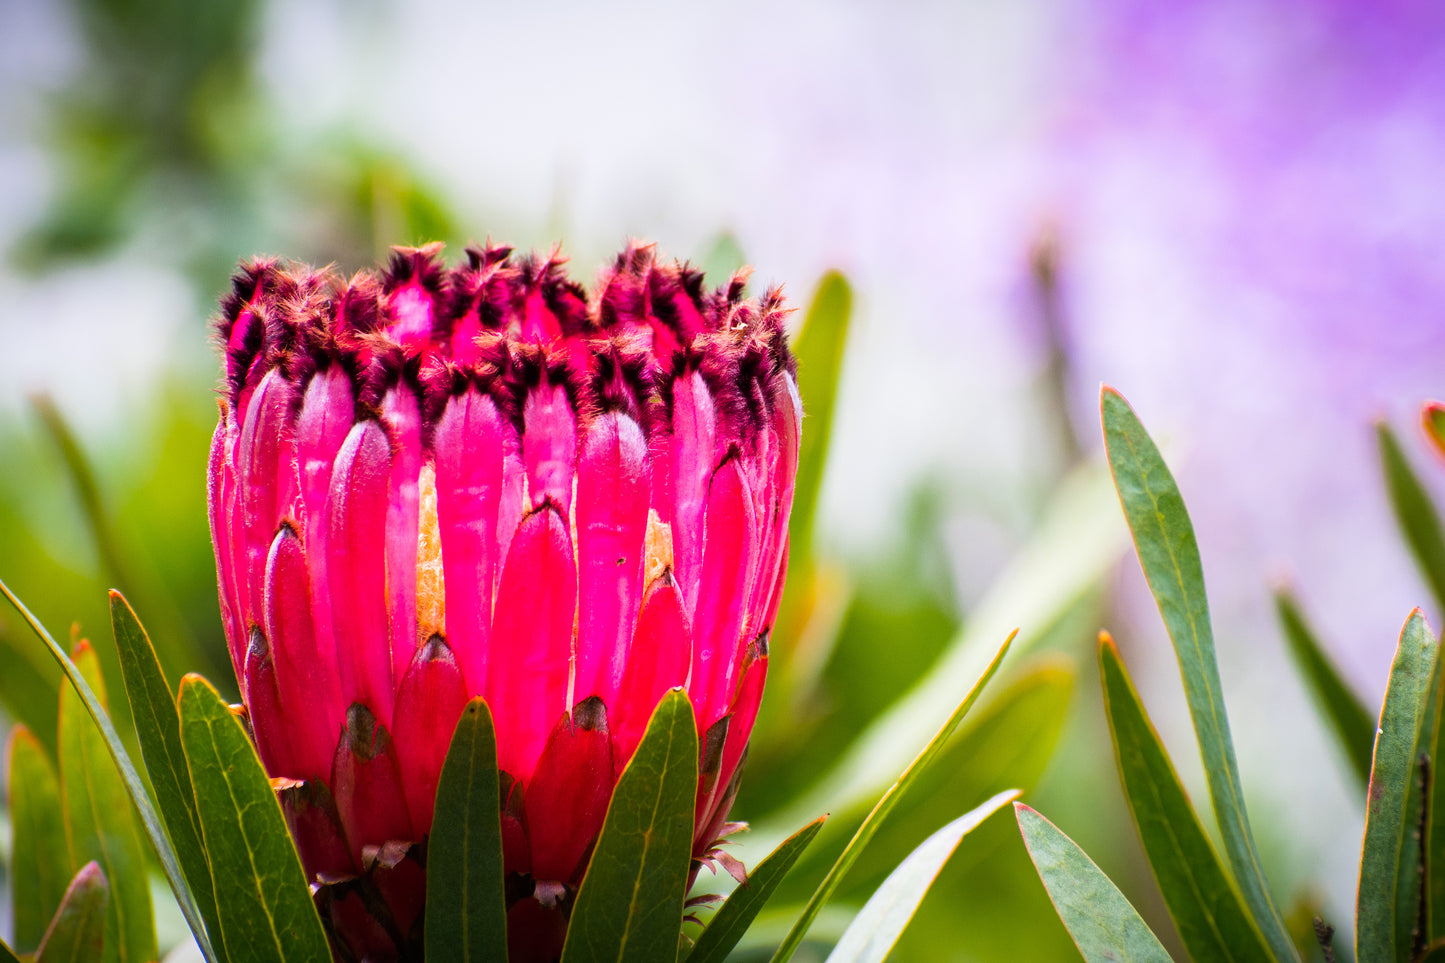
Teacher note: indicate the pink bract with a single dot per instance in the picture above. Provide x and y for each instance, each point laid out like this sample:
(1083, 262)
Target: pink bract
(434, 483)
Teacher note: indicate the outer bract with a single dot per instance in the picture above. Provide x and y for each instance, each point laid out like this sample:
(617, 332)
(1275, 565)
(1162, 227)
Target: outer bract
(438, 483)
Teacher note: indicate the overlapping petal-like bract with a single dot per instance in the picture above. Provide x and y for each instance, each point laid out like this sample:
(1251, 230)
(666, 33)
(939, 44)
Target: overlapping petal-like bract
(438, 483)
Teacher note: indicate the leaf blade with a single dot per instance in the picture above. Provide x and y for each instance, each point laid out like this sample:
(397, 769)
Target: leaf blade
(154, 829)
(733, 918)
(630, 903)
(1414, 512)
(1169, 555)
(882, 808)
(266, 912)
(78, 930)
(1100, 920)
(466, 914)
(881, 921)
(98, 822)
(158, 729)
(39, 853)
(1202, 899)
(1376, 934)
(819, 350)
(1349, 720)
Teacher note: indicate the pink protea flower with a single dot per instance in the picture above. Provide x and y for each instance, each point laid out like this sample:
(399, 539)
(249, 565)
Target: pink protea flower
(438, 483)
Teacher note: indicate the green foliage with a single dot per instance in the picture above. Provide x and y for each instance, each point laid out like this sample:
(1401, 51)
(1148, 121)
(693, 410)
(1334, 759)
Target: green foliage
(884, 806)
(1379, 934)
(98, 821)
(742, 907)
(1349, 720)
(1419, 522)
(877, 927)
(78, 931)
(466, 910)
(1202, 899)
(1105, 927)
(39, 853)
(630, 902)
(265, 907)
(158, 726)
(1169, 554)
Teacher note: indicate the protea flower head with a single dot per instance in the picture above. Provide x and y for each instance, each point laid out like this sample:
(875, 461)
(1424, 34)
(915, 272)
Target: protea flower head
(434, 483)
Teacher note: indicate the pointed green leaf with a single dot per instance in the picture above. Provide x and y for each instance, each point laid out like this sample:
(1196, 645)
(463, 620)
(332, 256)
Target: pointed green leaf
(133, 785)
(466, 907)
(1202, 899)
(1169, 555)
(1432, 740)
(39, 854)
(630, 903)
(158, 727)
(737, 914)
(7, 955)
(871, 935)
(1387, 835)
(1103, 924)
(77, 934)
(1414, 511)
(880, 812)
(265, 907)
(99, 824)
(1350, 721)
(819, 350)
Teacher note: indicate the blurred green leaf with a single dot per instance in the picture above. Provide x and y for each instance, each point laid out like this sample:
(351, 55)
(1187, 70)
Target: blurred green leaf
(732, 920)
(7, 955)
(155, 830)
(158, 726)
(630, 903)
(265, 906)
(1075, 545)
(723, 259)
(1105, 927)
(1350, 721)
(884, 806)
(1432, 419)
(1169, 555)
(1377, 936)
(819, 350)
(39, 853)
(1414, 511)
(1203, 901)
(78, 931)
(99, 823)
(466, 907)
(1007, 742)
(876, 928)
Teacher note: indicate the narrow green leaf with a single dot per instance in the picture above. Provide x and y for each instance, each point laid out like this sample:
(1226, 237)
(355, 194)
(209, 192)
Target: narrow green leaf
(155, 830)
(1103, 924)
(871, 935)
(7, 955)
(1351, 722)
(77, 934)
(1432, 419)
(1432, 739)
(466, 907)
(884, 806)
(819, 350)
(737, 914)
(265, 907)
(1169, 555)
(630, 903)
(1386, 832)
(98, 822)
(1202, 899)
(1414, 512)
(158, 728)
(39, 853)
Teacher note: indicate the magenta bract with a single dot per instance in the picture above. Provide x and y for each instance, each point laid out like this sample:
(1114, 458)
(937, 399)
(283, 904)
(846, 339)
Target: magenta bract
(439, 483)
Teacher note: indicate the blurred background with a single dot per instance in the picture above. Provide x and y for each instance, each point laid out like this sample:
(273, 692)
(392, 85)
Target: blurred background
(1231, 211)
